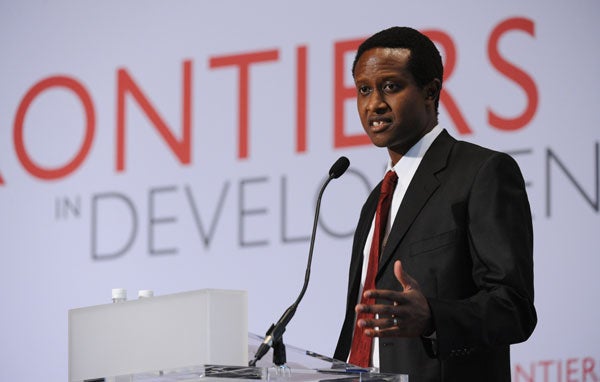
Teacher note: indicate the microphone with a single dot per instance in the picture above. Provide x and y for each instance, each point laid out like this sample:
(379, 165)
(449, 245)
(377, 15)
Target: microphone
(338, 168)
(275, 332)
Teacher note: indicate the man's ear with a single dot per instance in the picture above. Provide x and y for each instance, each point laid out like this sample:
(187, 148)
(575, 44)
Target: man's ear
(432, 89)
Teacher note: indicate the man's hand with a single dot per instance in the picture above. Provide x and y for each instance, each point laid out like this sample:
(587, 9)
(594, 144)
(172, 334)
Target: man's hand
(407, 314)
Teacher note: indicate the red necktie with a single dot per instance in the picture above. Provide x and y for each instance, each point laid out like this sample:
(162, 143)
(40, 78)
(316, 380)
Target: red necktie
(360, 352)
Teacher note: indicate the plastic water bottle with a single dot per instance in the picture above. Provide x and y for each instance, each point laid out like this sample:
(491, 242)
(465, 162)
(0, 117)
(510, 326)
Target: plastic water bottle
(119, 295)
(145, 293)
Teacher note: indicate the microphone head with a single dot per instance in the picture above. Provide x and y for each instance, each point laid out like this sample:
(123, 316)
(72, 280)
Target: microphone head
(339, 167)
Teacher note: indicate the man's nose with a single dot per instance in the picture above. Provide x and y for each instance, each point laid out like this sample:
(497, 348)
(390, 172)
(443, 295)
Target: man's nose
(376, 102)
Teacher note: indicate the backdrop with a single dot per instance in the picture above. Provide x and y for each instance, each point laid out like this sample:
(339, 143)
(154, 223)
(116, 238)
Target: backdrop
(180, 145)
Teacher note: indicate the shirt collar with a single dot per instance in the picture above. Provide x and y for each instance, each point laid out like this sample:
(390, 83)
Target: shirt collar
(417, 151)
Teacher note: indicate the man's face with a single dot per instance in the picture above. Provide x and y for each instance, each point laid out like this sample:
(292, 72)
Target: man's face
(394, 111)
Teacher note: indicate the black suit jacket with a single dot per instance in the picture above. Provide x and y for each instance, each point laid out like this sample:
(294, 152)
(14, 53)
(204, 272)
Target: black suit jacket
(463, 231)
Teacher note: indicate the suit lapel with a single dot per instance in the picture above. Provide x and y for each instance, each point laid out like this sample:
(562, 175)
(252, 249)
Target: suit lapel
(420, 189)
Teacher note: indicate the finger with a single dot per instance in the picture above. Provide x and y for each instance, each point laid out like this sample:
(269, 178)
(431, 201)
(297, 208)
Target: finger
(389, 332)
(382, 331)
(399, 273)
(381, 323)
(381, 309)
(404, 278)
(390, 295)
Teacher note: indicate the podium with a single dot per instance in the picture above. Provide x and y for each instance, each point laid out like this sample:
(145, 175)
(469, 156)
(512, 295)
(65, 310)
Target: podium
(192, 336)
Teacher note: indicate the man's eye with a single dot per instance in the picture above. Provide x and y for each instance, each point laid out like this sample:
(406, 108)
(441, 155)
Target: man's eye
(390, 87)
(364, 90)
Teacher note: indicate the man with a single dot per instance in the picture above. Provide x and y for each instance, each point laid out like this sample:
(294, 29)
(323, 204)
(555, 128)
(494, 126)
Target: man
(450, 285)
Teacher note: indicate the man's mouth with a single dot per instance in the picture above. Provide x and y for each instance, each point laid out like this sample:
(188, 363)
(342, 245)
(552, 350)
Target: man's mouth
(379, 123)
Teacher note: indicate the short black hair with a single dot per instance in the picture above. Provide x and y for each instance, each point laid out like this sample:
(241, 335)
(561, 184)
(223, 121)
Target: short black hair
(424, 62)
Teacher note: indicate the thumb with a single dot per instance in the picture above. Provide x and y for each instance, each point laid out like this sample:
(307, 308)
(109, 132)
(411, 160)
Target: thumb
(405, 280)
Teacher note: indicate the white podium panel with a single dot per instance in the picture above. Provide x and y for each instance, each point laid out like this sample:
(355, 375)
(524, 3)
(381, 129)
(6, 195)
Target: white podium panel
(163, 332)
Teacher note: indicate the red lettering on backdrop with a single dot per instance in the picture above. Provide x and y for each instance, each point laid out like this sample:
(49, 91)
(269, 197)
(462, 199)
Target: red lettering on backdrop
(514, 73)
(576, 370)
(446, 43)
(243, 61)
(588, 369)
(126, 85)
(520, 373)
(48, 83)
(571, 369)
(341, 94)
(301, 99)
(545, 367)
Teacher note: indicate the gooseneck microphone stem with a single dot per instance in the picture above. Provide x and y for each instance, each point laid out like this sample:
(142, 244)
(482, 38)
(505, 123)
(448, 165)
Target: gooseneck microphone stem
(273, 337)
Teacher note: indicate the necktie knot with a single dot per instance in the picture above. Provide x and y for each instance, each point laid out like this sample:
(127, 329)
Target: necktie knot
(389, 182)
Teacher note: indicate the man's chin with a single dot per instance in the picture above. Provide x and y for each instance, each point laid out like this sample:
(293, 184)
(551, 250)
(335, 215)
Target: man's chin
(379, 141)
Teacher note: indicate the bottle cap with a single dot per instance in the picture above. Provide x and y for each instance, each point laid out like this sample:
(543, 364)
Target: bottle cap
(145, 293)
(119, 294)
